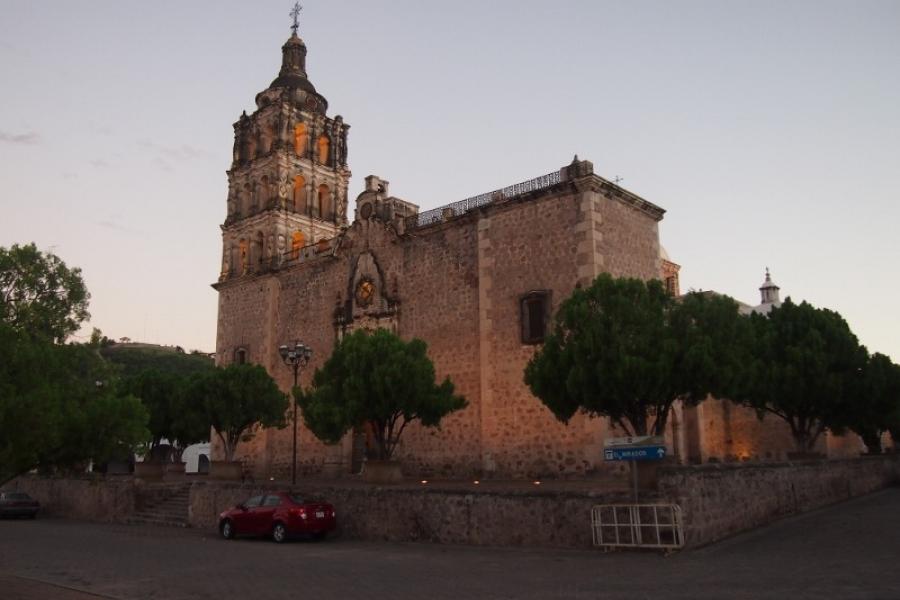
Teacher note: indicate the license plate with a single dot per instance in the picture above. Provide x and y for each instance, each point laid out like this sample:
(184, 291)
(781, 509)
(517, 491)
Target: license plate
(320, 514)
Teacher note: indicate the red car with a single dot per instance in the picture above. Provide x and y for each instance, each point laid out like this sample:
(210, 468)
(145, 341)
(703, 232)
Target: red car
(279, 514)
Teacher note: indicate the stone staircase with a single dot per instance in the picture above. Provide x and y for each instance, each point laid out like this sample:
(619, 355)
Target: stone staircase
(169, 508)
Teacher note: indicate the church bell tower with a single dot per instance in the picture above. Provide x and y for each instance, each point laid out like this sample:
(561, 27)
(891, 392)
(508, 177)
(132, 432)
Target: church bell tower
(287, 185)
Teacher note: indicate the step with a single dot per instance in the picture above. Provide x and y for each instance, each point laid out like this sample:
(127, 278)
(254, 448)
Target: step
(155, 512)
(158, 522)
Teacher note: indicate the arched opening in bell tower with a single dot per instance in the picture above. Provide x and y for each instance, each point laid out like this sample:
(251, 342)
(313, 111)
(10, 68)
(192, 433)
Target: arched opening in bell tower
(325, 212)
(296, 244)
(299, 195)
(324, 145)
(244, 256)
(300, 140)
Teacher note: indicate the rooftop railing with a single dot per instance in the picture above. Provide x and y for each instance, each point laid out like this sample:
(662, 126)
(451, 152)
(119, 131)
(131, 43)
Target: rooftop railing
(436, 215)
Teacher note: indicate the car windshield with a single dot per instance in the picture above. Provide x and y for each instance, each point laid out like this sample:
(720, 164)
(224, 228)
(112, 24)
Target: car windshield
(298, 499)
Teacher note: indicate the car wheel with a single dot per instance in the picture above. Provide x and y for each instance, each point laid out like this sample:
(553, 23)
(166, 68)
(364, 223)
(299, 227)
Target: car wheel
(227, 529)
(32, 516)
(279, 533)
(319, 536)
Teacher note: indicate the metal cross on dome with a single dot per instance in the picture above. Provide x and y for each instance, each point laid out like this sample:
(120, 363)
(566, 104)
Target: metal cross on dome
(295, 13)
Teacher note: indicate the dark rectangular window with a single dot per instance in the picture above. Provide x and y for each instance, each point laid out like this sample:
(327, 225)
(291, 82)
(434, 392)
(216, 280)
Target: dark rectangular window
(670, 285)
(240, 356)
(535, 316)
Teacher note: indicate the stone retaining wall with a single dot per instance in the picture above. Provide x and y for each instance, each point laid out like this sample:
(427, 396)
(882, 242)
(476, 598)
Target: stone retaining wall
(104, 500)
(720, 500)
(502, 518)
(717, 501)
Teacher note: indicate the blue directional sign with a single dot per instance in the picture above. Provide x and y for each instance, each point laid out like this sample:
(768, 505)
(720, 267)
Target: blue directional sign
(635, 453)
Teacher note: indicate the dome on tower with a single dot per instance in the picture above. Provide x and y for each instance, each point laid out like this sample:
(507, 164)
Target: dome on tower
(769, 295)
(292, 78)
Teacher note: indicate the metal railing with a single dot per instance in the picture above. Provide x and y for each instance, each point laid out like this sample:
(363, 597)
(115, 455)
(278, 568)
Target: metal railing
(637, 526)
(436, 215)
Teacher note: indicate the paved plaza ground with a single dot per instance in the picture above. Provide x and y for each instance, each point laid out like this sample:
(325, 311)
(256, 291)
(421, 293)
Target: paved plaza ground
(846, 551)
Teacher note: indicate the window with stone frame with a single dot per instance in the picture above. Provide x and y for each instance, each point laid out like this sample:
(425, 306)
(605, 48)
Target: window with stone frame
(534, 316)
(240, 356)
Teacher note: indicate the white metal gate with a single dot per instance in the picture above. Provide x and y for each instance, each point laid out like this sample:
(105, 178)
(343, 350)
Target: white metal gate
(637, 526)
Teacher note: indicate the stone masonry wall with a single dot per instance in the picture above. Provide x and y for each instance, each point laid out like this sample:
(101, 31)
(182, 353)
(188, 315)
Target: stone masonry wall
(721, 500)
(245, 322)
(403, 514)
(717, 501)
(730, 432)
(89, 499)
(437, 281)
(532, 246)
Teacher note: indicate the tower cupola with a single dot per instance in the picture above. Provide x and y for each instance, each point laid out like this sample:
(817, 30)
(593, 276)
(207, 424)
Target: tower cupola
(769, 291)
(293, 78)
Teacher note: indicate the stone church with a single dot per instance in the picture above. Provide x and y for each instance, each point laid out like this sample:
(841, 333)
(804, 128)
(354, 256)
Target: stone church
(298, 266)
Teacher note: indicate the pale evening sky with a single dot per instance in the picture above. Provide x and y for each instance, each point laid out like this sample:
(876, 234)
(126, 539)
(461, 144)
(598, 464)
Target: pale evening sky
(769, 131)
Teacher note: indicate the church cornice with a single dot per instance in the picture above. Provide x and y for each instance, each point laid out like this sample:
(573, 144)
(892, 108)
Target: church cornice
(616, 192)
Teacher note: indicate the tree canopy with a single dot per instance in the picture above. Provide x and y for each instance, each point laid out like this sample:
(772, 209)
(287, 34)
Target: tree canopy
(236, 398)
(61, 406)
(876, 407)
(625, 349)
(40, 294)
(134, 359)
(376, 378)
(807, 370)
(161, 377)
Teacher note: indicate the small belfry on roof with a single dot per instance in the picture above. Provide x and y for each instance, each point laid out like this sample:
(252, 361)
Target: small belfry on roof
(769, 290)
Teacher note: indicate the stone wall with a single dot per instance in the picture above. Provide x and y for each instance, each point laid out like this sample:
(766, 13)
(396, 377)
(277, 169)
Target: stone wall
(728, 432)
(559, 519)
(104, 500)
(720, 500)
(717, 501)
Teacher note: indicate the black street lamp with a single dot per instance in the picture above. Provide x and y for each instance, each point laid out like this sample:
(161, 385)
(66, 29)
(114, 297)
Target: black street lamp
(296, 357)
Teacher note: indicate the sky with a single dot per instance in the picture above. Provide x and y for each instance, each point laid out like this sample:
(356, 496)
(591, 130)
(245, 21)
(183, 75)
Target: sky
(769, 131)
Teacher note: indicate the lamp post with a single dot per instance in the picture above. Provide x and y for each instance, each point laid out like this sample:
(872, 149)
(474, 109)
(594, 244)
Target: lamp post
(296, 357)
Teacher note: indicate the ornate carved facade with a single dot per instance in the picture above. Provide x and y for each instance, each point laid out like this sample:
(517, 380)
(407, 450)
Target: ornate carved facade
(287, 186)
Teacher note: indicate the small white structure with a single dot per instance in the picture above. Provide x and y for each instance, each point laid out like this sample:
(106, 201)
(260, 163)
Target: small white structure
(769, 296)
(196, 458)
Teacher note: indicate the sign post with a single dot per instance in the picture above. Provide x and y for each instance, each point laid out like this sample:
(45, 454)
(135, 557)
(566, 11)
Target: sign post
(634, 449)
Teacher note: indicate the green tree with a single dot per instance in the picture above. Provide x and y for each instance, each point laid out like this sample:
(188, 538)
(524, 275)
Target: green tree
(236, 398)
(876, 408)
(175, 416)
(807, 370)
(160, 377)
(625, 349)
(379, 379)
(134, 360)
(61, 407)
(40, 294)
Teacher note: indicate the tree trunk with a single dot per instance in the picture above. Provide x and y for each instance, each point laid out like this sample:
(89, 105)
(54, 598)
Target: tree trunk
(638, 424)
(872, 440)
(801, 440)
(227, 446)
